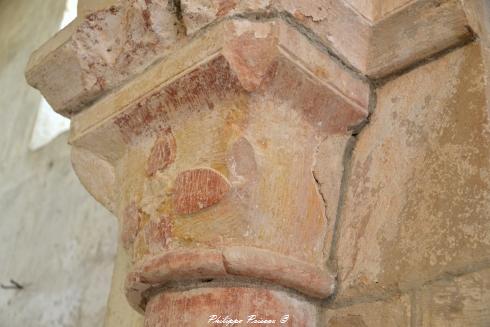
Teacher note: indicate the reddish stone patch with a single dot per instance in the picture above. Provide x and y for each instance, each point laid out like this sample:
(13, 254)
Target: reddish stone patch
(253, 60)
(131, 220)
(198, 189)
(162, 154)
(195, 308)
(157, 234)
(225, 6)
(207, 84)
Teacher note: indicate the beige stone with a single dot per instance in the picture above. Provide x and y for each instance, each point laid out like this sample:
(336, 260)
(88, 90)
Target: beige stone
(462, 301)
(418, 196)
(478, 13)
(99, 51)
(209, 157)
(119, 312)
(218, 305)
(220, 133)
(395, 311)
(407, 36)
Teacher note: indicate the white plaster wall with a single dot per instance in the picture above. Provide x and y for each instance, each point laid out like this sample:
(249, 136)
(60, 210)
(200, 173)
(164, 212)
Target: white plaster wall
(54, 238)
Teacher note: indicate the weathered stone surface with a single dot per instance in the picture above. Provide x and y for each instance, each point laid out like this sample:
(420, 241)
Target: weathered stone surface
(102, 50)
(375, 10)
(231, 263)
(376, 37)
(198, 189)
(418, 195)
(202, 306)
(392, 312)
(478, 13)
(422, 29)
(99, 52)
(328, 172)
(462, 301)
(119, 312)
(99, 178)
(131, 220)
(225, 159)
(232, 184)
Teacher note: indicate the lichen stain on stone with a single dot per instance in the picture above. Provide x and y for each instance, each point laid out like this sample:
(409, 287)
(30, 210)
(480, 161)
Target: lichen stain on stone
(162, 154)
(198, 189)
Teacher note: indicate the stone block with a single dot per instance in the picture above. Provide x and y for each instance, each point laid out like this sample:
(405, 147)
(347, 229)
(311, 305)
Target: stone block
(375, 37)
(418, 196)
(99, 51)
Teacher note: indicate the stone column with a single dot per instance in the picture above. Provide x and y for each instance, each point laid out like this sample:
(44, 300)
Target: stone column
(208, 158)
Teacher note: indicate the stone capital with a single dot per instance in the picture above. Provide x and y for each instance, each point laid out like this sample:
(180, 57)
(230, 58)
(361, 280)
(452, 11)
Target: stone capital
(208, 160)
(203, 132)
(215, 130)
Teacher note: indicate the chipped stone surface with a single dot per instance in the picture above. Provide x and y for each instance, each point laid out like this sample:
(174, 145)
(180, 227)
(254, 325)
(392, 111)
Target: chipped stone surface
(131, 219)
(391, 312)
(108, 46)
(462, 301)
(194, 307)
(377, 37)
(99, 52)
(234, 177)
(328, 172)
(418, 196)
(224, 160)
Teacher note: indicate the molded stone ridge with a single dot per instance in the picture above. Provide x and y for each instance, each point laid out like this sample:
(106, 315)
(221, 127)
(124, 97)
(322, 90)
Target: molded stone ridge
(232, 61)
(231, 262)
(105, 49)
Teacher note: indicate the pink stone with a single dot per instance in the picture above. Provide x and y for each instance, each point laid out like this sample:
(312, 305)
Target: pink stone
(279, 269)
(198, 307)
(198, 189)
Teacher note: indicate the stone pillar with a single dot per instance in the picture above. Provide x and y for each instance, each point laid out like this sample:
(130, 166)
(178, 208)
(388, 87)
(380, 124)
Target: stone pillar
(216, 131)
(208, 160)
